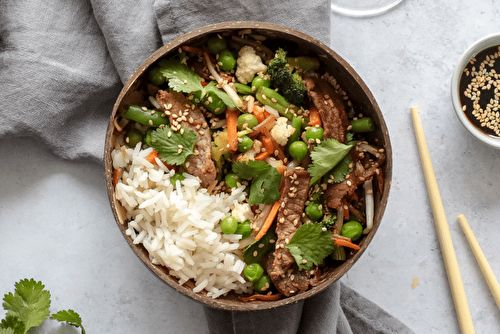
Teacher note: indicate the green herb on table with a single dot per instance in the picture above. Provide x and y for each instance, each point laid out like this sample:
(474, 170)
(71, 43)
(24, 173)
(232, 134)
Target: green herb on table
(28, 307)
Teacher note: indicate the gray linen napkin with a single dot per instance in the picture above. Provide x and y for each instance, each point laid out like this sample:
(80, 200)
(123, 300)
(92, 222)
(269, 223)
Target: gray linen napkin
(62, 65)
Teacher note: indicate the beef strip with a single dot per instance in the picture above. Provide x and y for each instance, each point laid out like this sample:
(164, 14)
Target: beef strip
(335, 192)
(182, 113)
(296, 187)
(330, 107)
(294, 280)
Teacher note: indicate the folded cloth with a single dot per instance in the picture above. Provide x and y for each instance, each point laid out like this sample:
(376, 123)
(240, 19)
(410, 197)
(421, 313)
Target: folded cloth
(60, 73)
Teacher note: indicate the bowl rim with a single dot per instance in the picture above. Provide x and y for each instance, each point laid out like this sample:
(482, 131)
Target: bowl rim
(467, 55)
(233, 25)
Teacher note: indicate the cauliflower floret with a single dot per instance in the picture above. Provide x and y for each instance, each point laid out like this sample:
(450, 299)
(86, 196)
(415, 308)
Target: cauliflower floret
(248, 64)
(282, 130)
(242, 212)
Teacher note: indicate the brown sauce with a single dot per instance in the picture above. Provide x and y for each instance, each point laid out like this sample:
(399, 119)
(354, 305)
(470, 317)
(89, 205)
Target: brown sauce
(480, 91)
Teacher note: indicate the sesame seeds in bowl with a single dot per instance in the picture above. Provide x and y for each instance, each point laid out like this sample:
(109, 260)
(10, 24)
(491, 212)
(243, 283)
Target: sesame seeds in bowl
(475, 90)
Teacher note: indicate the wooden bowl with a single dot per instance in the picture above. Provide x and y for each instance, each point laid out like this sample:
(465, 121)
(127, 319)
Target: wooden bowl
(349, 80)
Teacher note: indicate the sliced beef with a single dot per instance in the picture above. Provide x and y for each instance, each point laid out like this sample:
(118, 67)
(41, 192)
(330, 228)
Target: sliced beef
(296, 187)
(335, 192)
(293, 281)
(330, 107)
(182, 113)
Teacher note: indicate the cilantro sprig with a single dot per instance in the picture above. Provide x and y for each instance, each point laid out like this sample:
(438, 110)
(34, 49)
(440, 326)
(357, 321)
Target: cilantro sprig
(265, 181)
(326, 156)
(182, 79)
(173, 146)
(310, 245)
(28, 307)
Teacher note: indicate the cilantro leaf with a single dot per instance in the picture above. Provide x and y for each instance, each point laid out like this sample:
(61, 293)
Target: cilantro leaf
(172, 146)
(341, 169)
(326, 156)
(12, 323)
(310, 245)
(30, 303)
(180, 77)
(69, 316)
(212, 87)
(265, 181)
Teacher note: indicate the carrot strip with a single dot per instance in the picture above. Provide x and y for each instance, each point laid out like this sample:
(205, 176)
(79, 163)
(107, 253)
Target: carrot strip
(268, 297)
(262, 156)
(268, 144)
(152, 157)
(269, 220)
(344, 243)
(314, 119)
(192, 49)
(232, 128)
(259, 113)
(117, 173)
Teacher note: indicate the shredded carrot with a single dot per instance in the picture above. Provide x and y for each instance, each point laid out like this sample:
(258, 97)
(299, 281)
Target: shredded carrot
(192, 49)
(268, 297)
(259, 113)
(152, 157)
(117, 173)
(345, 243)
(269, 220)
(268, 144)
(314, 119)
(204, 83)
(232, 128)
(262, 156)
(282, 169)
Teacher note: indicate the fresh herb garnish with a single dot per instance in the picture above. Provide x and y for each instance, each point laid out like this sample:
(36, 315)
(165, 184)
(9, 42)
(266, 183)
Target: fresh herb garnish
(265, 181)
(182, 79)
(173, 146)
(326, 156)
(343, 168)
(310, 245)
(28, 307)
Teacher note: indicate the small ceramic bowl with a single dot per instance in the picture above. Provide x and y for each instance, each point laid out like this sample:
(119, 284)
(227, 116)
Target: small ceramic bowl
(350, 81)
(468, 67)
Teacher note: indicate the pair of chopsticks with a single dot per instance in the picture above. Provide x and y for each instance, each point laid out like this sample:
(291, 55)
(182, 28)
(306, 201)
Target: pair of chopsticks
(443, 231)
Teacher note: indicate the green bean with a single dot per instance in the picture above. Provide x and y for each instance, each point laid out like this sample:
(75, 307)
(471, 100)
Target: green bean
(256, 250)
(147, 137)
(273, 99)
(133, 137)
(146, 116)
(361, 125)
(243, 89)
(305, 63)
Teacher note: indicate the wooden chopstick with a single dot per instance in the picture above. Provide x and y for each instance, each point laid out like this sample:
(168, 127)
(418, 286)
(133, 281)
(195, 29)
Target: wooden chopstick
(481, 259)
(443, 231)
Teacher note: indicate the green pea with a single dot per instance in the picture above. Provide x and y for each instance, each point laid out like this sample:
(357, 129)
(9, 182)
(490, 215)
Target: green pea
(245, 144)
(249, 119)
(253, 272)
(232, 180)
(226, 60)
(298, 150)
(155, 76)
(133, 137)
(244, 229)
(263, 284)
(352, 230)
(229, 225)
(314, 132)
(217, 44)
(147, 136)
(314, 211)
(175, 177)
(259, 81)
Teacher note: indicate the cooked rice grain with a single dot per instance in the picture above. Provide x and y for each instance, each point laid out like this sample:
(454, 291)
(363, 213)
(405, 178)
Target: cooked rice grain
(179, 226)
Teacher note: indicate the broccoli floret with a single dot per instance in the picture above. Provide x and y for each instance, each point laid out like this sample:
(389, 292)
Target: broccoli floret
(287, 80)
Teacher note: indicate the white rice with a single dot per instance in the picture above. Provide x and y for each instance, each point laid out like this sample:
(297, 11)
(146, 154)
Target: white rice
(180, 226)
